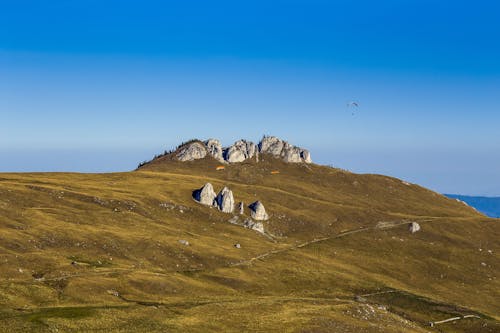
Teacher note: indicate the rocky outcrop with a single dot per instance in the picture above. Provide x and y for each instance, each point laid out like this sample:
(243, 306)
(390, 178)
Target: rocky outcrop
(271, 145)
(214, 148)
(243, 150)
(192, 151)
(225, 200)
(240, 151)
(282, 149)
(414, 227)
(205, 195)
(258, 212)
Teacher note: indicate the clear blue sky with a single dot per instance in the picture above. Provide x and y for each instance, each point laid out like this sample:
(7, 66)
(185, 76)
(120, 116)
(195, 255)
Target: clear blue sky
(101, 85)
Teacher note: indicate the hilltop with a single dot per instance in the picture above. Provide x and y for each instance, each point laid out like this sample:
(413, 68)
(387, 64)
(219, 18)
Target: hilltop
(134, 251)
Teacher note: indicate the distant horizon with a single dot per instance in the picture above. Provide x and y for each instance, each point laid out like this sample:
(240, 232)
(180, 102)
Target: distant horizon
(100, 86)
(109, 160)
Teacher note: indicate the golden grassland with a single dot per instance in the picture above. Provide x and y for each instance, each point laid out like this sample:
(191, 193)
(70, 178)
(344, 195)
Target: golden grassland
(101, 253)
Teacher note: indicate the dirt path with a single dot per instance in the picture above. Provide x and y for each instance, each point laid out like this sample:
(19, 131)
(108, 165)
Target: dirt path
(317, 240)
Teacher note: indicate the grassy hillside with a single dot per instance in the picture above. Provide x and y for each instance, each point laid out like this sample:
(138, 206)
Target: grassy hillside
(101, 252)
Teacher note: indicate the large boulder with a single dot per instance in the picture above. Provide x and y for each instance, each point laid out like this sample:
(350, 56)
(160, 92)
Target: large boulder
(205, 195)
(240, 151)
(225, 200)
(192, 151)
(258, 212)
(214, 148)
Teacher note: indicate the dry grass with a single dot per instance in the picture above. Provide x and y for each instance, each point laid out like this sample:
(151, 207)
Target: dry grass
(100, 252)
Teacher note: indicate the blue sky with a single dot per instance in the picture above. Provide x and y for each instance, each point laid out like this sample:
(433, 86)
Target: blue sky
(102, 85)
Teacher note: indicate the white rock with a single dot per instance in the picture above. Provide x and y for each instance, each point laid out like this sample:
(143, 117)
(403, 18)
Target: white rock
(414, 227)
(184, 242)
(306, 156)
(282, 149)
(241, 207)
(191, 152)
(214, 148)
(240, 151)
(225, 200)
(205, 195)
(271, 145)
(258, 212)
(292, 155)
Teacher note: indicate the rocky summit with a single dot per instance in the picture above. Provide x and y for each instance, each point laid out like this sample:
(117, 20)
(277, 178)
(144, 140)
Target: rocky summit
(243, 150)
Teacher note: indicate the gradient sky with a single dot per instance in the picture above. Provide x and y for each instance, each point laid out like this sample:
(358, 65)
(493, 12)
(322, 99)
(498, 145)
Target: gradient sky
(99, 86)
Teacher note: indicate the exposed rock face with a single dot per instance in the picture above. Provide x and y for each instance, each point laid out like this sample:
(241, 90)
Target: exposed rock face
(243, 150)
(414, 227)
(205, 195)
(271, 145)
(258, 212)
(225, 200)
(241, 208)
(192, 151)
(214, 148)
(292, 155)
(240, 151)
(282, 149)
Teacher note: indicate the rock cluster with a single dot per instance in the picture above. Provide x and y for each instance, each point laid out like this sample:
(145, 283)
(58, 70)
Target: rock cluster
(224, 200)
(243, 150)
(240, 151)
(279, 148)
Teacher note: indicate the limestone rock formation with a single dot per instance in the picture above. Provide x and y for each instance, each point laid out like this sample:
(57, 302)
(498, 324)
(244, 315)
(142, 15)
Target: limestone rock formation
(205, 195)
(192, 151)
(214, 148)
(258, 212)
(271, 145)
(414, 227)
(225, 200)
(282, 149)
(243, 150)
(240, 151)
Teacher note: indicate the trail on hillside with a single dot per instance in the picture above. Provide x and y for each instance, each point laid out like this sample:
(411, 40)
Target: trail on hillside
(240, 263)
(318, 240)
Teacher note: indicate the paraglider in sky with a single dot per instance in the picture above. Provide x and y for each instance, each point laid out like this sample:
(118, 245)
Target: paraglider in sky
(352, 105)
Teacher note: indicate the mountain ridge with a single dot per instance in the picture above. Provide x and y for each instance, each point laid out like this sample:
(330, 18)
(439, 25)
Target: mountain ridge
(240, 151)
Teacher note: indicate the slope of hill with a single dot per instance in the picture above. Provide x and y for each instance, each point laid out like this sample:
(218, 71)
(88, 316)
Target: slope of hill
(101, 252)
(490, 206)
